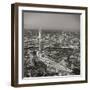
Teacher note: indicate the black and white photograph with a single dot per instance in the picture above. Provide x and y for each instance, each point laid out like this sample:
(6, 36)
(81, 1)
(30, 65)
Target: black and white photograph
(49, 44)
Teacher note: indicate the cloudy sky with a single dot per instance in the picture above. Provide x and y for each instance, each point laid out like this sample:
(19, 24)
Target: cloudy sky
(51, 21)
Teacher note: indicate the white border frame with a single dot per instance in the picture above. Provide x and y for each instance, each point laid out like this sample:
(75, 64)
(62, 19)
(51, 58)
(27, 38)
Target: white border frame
(51, 79)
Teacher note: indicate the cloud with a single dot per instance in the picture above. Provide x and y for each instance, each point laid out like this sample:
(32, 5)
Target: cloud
(52, 21)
